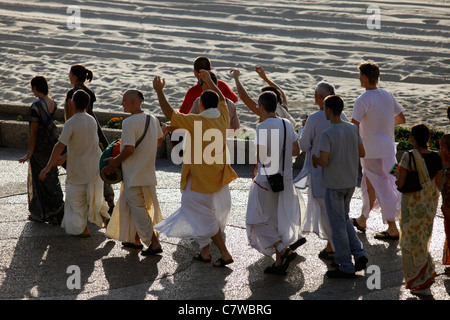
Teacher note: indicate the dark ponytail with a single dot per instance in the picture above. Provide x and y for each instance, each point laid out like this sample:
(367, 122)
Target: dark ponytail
(82, 73)
(89, 75)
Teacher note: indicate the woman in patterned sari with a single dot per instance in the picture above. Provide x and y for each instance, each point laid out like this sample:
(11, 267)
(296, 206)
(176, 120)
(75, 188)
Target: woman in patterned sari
(45, 198)
(445, 154)
(418, 210)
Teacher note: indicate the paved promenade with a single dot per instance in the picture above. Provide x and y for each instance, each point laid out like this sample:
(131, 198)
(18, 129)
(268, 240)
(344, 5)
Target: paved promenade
(36, 258)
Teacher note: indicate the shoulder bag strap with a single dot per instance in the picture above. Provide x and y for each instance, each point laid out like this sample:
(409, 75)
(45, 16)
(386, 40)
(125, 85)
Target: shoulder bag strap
(284, 146)
(145, 131)
(284, 142)
(411, 156)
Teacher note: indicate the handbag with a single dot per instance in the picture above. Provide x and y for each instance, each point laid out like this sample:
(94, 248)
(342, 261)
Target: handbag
(412, 182)
(276, 181)
(113, 150)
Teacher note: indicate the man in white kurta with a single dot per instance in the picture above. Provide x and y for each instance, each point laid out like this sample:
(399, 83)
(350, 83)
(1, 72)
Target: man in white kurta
(316, 220)
(273, 218)
(84, 188)
(137, 209)
(376, 112)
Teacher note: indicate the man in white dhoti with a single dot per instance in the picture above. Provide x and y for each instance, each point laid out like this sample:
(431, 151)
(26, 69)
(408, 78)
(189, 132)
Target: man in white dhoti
(137, 209)
(84, 188)
(205, 175)
(316, 219)
(273, 218)
(376, 112)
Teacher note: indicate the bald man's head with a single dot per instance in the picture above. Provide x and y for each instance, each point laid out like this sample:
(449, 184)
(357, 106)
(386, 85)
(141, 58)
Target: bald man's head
(132, 100)
(135, 94)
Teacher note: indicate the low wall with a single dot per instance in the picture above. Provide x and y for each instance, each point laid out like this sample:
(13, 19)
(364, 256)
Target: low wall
(15, 134)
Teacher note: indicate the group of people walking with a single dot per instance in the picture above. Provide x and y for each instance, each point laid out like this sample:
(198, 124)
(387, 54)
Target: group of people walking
(276, 218)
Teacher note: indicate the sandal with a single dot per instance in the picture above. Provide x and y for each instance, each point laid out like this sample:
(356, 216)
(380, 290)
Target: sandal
(279, 270)
(30, 217)
(297, 244)
(132, 245)
(199, 257)
(54, 220)
(151, 252)
(385, 236)
(287, 257)
(222, 263)
(328, 255)
(355, 223)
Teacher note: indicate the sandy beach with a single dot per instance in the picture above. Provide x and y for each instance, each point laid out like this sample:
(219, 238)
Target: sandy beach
(299, 43)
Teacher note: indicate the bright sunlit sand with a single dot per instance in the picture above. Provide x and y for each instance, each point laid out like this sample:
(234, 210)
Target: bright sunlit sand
(299, 43)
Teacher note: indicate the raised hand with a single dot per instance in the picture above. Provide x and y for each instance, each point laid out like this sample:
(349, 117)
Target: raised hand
(236, 73)
(158, 83)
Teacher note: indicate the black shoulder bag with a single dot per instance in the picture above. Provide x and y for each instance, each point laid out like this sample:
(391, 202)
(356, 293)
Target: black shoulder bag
(412, 182)
(276, 180)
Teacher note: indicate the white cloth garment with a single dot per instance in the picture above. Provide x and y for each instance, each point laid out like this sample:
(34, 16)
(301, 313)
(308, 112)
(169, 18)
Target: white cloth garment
(388, 198)
(283, 113)
(273, 216)
(375, 110)
(83, 203)
(136, 211)
(80, 136)
(139, 169)
(316, 220)
(200, 216)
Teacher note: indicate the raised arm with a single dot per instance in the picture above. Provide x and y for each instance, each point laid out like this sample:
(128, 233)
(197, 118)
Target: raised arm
(260, 71)
(158, 86)
(206, 77)
(243, 95)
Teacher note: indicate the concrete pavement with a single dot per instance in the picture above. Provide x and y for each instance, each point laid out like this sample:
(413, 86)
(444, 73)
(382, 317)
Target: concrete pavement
(36, 260)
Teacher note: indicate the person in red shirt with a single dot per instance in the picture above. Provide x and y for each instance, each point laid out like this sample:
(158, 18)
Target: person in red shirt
(195, 91)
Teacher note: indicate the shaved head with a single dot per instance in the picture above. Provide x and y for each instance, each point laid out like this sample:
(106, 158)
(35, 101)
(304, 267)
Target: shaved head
(135, 95)
(132, 100)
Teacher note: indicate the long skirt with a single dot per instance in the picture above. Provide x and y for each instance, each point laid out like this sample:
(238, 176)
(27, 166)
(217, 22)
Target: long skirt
(272, 216)
(416, 226)
(45, 198)
(136, 212)
(84, 203)
(200, 216)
